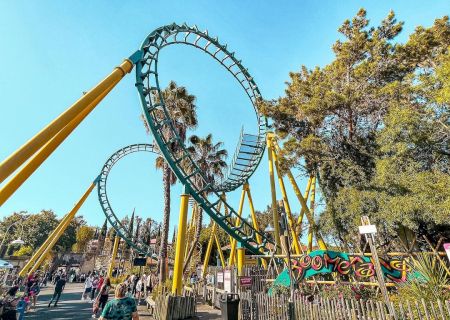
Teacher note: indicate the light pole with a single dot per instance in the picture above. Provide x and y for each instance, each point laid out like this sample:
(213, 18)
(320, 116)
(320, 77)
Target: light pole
(18, 240)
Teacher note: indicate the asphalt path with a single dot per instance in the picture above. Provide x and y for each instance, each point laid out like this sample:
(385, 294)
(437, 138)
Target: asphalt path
(70, 305)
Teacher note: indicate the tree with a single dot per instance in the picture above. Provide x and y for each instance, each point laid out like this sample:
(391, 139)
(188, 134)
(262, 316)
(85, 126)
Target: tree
(84, 234)
(104, 230)
(374, 126)
(210, 159)
(182, 110)
(23, 251)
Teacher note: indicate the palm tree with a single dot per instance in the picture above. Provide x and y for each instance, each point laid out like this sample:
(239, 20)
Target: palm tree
(182, 110)
(210, 158)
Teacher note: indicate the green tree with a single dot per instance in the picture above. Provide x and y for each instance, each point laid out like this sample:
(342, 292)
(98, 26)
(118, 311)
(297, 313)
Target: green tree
(23, 251)
(104, 230)
(210, 159)
(84, 234)
(374, 126)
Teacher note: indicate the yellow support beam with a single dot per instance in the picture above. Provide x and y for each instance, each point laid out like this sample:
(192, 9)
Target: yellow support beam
(238, 221)
(12, 185)
(114, 255)
(208, 249)
(15, 160)
(191, 229)
(219, 248)
(276, 224)
(254, 221)
(63, 228)
(41, 249)
(287, 207)
(311, 209)
(302, 210)
(304, 205)
(177, 284)
(210, 242)
(240, 260)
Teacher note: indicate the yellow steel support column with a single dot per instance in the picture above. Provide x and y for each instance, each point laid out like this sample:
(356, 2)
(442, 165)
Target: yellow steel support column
(240, 260)
(15, 160)
(238, 221)
(276, 224)
(63, 228)
(114, 255)
(287, 207)
(302, 201)
(219, 248)
(41, 249)
(11, 186)
(298, 227)
(177, 284)
(254, 221)
(208, 249)
(191, 229)
(311, 209)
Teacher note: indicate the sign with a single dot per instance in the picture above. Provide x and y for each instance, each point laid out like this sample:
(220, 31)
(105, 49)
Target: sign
(245, 281)
(227, 281)
(368, 229)
(323, 261)
(139, 262)
(219, 277)
(447, 249)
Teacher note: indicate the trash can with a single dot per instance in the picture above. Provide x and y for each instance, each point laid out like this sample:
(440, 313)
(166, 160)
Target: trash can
(229, 304)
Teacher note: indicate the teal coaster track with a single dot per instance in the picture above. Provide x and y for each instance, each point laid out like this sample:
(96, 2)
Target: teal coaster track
(249, 151)
(121, 230)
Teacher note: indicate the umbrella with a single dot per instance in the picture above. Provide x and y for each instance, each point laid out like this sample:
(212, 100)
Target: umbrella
(5, 265)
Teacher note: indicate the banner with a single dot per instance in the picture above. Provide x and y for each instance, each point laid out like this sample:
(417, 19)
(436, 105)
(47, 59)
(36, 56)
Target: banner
(323, 261)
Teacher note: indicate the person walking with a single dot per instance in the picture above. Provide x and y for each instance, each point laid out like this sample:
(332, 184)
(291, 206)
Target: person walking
(102, 297)
(148, 285)
(122, 307)
(87, 287)
(94, 287)
(34, 292)
(59, 287)
(140, 286)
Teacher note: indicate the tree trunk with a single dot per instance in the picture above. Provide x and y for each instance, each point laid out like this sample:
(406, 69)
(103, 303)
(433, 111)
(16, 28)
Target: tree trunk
(198, 229)
(165, 229)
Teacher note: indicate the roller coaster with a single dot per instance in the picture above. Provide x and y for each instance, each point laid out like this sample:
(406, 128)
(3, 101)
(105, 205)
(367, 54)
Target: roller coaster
(208, 195)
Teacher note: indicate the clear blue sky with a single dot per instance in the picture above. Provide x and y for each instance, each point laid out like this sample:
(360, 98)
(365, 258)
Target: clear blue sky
(52, 51)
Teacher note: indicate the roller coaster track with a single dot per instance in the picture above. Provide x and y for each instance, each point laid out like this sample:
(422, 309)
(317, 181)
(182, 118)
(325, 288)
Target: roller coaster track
(121, 230)
(250, 148)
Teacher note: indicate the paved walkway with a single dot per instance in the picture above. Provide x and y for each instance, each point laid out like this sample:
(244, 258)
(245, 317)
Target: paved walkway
(70, 307)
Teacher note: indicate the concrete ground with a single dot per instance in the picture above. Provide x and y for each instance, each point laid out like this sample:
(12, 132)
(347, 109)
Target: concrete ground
(71, 307)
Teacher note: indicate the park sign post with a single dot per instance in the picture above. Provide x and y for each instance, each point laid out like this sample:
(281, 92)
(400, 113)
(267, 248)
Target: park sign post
(368, 231)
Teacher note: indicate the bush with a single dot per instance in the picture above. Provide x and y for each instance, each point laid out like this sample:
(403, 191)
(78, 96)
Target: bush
(23, 251)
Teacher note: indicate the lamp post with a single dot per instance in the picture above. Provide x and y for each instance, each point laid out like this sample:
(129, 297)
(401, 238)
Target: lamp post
(18, 240)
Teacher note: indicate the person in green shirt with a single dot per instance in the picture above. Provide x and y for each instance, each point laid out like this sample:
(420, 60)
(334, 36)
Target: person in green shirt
(121, 308)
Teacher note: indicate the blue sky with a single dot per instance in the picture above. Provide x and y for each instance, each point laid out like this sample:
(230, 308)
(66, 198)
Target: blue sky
(52, 51)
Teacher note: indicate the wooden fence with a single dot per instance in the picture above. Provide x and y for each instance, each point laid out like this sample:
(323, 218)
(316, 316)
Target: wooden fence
(168, 307)
(260, 306)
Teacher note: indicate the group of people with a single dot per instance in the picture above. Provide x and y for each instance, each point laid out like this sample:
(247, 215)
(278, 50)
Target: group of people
(23, 295)
(15, 302)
